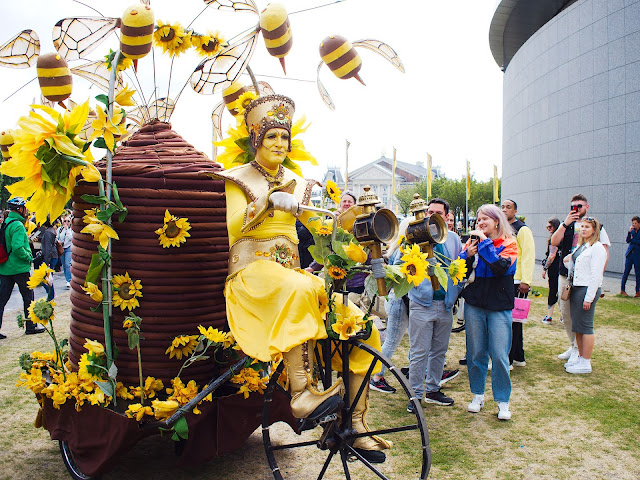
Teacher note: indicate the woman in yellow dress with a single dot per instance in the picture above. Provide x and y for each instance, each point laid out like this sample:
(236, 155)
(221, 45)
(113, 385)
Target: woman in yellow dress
(273, 306)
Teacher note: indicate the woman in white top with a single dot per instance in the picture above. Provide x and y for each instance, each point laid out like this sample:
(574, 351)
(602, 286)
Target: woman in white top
(586, 264)
(65, 236)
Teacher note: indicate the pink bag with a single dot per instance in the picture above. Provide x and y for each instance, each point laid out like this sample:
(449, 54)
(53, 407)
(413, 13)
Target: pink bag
(521, 309)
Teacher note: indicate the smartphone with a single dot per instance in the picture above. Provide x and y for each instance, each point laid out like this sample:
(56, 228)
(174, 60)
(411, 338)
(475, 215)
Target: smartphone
(574, 208)
(475, 238)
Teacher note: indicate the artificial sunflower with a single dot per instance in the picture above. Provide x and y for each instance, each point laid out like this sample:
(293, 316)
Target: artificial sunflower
(123, 62)
(93, 346)
(243, 101)
(124, 97)
(457, 270)
(182, 346)
(332, 191)
(48, 155)
(137, 411)
(237, 149)
(337, 273)
(213, 334)
(174, 231)
(40, 275)
(163, 410)
(347, 324)
(323, 230)
(355, 252)
(208, 45)
(101, 231)
(171, 38)
(415, 268)
(93, 291)
(41, 311)
(126, 291)
(110, 128)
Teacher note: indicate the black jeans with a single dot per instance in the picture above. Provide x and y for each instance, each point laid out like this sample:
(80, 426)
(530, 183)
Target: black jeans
(6, 287)
(517, 343)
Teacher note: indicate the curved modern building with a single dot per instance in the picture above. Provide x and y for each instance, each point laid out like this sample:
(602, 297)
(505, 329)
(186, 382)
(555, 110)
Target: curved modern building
(571, 118)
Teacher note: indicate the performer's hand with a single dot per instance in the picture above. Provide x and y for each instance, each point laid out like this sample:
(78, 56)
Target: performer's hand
(524, 288)
(284, 201)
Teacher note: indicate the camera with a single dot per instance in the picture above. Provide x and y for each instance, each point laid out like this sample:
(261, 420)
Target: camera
(475, 238)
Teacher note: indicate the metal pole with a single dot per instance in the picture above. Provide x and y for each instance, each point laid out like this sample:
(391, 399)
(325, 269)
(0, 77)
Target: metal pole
(253, 79)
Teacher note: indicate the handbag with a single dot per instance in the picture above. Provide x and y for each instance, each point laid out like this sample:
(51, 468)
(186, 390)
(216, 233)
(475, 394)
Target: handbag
(566, 292)
(60, 248)
(520, 310)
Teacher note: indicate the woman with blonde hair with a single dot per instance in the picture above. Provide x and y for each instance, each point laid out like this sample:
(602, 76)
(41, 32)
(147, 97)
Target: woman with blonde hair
(491, 254)
(586, 266)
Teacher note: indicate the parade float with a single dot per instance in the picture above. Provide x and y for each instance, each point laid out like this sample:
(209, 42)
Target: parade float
(149, 349)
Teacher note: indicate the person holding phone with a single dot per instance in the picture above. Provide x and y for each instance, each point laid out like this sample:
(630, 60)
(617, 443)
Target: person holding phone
(566, 239)
(586, 263)
(488, 305)
(632, 256)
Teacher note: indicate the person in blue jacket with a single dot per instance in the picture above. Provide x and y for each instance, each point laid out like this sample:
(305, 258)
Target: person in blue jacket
(632, 256)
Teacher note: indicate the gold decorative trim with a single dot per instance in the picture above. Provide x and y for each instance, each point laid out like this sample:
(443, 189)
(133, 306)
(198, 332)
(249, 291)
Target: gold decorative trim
(279, 249)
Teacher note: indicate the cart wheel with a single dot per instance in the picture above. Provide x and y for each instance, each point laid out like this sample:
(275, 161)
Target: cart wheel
(328, 450)
(70, 463)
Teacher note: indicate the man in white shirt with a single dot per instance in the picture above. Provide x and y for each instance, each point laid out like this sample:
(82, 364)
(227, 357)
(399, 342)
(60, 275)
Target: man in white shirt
(566, 239)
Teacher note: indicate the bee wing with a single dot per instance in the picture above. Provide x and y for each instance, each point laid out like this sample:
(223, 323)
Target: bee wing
(382, 49)
(222, 70)
(75, 37)
(21, 51)
(162, 109)
(48, 103)
(265, 88)
(239, 6)
(97, 73)
(216, 119)
(323, 91)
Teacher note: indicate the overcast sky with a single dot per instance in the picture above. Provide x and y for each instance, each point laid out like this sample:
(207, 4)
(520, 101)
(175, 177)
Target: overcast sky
(448, 103)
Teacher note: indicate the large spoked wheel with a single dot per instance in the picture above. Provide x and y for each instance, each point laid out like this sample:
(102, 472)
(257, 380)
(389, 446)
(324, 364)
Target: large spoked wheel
(327, 452)
(70, 463)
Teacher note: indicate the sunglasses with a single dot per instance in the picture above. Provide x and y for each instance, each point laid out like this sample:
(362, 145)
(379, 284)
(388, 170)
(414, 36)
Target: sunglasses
(589, 219)
(578, 206)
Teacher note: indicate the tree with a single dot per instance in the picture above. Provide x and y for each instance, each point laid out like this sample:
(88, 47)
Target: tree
(4, 193)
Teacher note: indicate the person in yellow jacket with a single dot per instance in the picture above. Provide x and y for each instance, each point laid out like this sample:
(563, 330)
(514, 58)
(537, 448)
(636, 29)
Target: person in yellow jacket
(272, 305)
(523, 276)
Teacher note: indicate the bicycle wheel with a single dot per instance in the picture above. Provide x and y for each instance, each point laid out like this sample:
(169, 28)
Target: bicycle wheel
(326, 451)
(70, 463)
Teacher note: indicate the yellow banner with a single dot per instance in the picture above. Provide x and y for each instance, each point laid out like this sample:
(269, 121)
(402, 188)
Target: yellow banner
(496, 189)
(429, 176)
(468, 180)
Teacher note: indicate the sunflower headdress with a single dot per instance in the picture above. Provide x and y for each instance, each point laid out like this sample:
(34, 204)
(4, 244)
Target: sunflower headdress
(261, 115)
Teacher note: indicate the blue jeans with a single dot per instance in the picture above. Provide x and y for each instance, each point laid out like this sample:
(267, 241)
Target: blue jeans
(629, 262)
(397, 323)
(66, 264)
(488, 335)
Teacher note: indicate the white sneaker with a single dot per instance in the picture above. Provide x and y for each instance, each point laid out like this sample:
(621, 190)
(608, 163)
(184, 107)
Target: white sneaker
(581, 366)
(68, 285)
(476, 404)
(573, 358)
(516, 363)
(489, 367)
(503, 411)
(566, 354)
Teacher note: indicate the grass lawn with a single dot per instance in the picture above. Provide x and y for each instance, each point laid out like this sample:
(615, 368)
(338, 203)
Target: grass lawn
(563, 427)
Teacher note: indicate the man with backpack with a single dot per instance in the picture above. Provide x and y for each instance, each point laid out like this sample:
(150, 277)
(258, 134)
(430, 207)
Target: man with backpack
(16, 267)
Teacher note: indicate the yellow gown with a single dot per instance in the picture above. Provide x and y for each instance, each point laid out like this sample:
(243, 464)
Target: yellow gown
(272, 307)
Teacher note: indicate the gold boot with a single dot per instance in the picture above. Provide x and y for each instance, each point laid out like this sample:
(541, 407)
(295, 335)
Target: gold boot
(305, 397)
(358, 423)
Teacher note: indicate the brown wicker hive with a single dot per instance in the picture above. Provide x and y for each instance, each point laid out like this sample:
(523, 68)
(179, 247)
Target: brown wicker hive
(156, 170)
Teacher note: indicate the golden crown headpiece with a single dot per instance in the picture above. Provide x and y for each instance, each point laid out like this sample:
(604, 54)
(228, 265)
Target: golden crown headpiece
(267, 112)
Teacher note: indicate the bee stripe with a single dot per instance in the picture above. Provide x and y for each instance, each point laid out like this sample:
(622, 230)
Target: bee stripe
(56, 91)
(344, 71)
(282, 50)
(337, 53)
(5, 148)
(135, 51)
(129, 31)
(277, 32)
(53, 72)
(343, 60)
(134, 41)
(55, 81)
(278, 42)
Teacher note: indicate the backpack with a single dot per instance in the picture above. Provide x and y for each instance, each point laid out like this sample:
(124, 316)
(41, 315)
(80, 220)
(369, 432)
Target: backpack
(4, 253)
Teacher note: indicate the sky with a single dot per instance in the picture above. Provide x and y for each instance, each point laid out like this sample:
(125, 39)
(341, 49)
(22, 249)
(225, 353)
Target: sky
(448, 103)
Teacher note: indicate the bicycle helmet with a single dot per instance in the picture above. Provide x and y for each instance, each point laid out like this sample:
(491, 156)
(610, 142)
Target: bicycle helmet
(16, 202)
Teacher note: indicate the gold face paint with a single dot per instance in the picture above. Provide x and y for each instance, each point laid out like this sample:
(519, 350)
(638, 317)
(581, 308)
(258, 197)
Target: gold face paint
(274, 148)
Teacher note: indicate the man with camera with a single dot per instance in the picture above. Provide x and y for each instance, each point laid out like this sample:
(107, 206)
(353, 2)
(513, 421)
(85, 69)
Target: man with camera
(566, 239)
(632, 256)
(523, 277)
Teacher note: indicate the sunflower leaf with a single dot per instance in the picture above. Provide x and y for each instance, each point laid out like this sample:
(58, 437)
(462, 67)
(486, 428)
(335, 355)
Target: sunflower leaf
(116, 195)
(100, 143)
(181, 428)
(113, 371)
(106, 387)
(105, 215)
(97, 199)
(122, 215)
(102, 98)
(441, 276)
(93, 274)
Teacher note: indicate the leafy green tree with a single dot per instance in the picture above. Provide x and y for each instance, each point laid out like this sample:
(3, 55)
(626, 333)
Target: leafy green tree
(4, 193)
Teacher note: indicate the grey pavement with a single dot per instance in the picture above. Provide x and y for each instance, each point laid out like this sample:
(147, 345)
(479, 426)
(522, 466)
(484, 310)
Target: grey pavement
(610, 284)
(15, 302)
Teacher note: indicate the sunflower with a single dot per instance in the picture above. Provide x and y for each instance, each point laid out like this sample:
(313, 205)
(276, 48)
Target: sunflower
(347, 324)
(101, 231)
(126, 292)
(237, 149)
(93, 346)
(337, 273)
(415, 268)
(174, 231)
(182, 345)
(208, 45)
(457, 270)
(93, 291)
(324, 230)
(213, 334)
(243, 101)
(108, 127)
(39, 276)
(123, 62)
(48, 155)
(332, 191)
(124, 97)
(171, 38)
(355, 252)
(137, 411)
(163, 410)
(41, 311)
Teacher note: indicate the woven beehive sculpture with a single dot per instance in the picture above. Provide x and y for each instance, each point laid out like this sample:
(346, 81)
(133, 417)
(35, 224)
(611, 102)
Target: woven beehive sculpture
(157, 170)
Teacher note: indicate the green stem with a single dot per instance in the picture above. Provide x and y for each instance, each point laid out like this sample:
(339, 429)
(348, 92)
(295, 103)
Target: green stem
(140, 374)
(58, 351)
(106, 300)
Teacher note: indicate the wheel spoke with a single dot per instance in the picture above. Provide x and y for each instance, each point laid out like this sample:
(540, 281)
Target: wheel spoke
(345, 466)
(326, 464)
(384, 431)
(294, 445)
(367, 464)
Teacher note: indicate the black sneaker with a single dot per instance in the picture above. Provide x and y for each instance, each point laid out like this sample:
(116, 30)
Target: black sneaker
(411, 408)
(449, 375)
(438, 398)
(405, 371)
(35, 330)
(381, 385)
(463, 361)
(2, 337)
